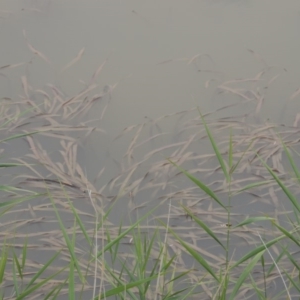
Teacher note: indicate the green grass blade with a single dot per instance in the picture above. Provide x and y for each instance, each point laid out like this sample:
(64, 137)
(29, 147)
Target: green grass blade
(124, 287)
(287, 234)
(231, 170)
(252, 185)
(112, 254)
(120, 236)
(257, 250)
(179, 276)
(290, 196)
(39, 273)
(260, 294)
(194, 254)
(149, 248)
(253, 220)
(9, 165)
(19, 200)
(81, 225)
(200, 184)
(155, 266)
(24, 253)
(67, 240)
(245, 274)
(8, 188)
(3, 211)
(16, 286)
(215, 147)
(71, 281)
(19, 115)
(230, 151)
(17, 265)
(293, 261)
(204, 226)
(71, 267)
(119, 282)
(17, 136)
(106, 215)
(4, 254)
(176, 295)
(291, 161)
(56, 290)
(27, 292)
(276, 262)
(295, 284)
(116, 246)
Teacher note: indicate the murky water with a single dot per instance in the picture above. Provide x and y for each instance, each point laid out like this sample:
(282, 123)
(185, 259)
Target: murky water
(150, 63)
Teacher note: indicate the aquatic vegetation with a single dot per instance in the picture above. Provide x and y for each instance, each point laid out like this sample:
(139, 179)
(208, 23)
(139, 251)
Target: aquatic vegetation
(187, 242)
(190, 205)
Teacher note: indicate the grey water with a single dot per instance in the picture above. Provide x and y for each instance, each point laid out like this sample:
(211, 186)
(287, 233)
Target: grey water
(162, 57)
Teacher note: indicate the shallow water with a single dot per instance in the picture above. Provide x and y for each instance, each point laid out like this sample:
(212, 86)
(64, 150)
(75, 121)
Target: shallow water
(235, 59)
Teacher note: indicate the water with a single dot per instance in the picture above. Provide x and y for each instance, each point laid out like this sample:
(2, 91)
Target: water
(161, 58)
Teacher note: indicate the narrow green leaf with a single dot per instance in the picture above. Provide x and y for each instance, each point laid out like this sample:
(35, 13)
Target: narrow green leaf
(149, 248)
(38, 285)
(257, 250)
(24, 253)
(8, 165)
(231, 170)
(71, 281)
(290, 196)
(81, 225)
(204, 226)
(6, 209)
(194, 254)
(8, 188)
(17, 136)
(4, 254)
(16, 286)
(230, 152)
(179, 276)
(38, 274)
(120, 236)
(292, 162)
(71, 266)
(166, 266)
(124, 287)
(261, 295)
(175, 296)
(103, 218)
(295, 284)
(252, 185)
(215, 147)
(155, 267)
(17, 265)
(245, 274)
(67, 240)
(276, 261)
(19, 200)
(253, 220)
(56, 290)
(294, 262)
(201, 185)
(119, 282)
(287, 234)
(19, 115)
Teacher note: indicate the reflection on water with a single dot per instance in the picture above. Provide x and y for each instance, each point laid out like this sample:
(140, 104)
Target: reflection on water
(112, 87)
